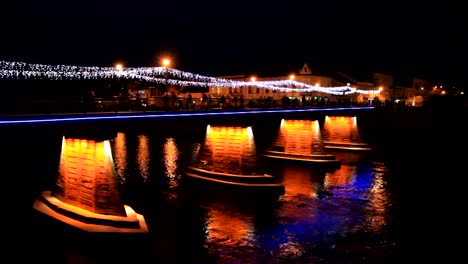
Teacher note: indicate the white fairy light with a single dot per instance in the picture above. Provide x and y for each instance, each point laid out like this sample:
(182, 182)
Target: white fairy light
(155, 75)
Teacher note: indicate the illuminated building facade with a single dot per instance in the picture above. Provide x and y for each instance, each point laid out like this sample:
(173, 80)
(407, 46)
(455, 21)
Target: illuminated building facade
(378, 89)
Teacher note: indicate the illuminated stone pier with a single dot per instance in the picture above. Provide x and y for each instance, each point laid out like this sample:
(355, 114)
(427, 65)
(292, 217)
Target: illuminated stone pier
(228, 157)
(300, 140)
(342, 133)
(86, 192)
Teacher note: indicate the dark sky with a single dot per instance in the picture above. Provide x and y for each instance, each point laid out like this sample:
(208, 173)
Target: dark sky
(243, 37)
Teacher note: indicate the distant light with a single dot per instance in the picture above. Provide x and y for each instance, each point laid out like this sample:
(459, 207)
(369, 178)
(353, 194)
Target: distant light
(119, 67)
(166, 62)
(253, 79)
(291, 77)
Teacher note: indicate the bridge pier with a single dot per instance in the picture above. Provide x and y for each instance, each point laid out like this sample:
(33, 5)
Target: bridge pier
(86, 192)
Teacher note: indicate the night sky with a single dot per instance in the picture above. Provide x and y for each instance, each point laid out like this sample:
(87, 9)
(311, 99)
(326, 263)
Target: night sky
(428, 41)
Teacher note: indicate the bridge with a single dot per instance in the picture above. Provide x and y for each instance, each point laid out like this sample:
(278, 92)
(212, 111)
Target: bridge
(85, 195)
(124, 219)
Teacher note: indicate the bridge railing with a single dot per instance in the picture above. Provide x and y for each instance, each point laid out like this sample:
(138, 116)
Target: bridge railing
(16, 105)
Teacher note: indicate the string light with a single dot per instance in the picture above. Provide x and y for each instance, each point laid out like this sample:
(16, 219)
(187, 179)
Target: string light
(21, 70)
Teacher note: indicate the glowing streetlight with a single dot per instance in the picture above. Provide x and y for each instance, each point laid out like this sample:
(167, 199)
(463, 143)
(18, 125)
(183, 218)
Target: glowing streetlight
(119, 67)
(291, 78)
(166, 62)
(252, 79)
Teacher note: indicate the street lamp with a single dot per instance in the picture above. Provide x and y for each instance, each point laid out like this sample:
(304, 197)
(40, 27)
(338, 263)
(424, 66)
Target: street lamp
(166, 62)
(252, 79)
(120, 96)
(119, 67)
(291, 77)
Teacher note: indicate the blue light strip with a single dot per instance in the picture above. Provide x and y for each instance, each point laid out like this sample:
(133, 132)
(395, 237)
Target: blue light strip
(164, 114)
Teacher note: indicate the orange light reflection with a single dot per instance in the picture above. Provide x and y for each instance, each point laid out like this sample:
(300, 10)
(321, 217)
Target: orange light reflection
(120, 154)
(378, 201)
(171, 155)
(227, 229)
(143, 155)
(345, 175)
(301, 181)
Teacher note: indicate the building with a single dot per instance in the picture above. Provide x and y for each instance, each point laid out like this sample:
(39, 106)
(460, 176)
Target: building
(379, 88)
(368, 90)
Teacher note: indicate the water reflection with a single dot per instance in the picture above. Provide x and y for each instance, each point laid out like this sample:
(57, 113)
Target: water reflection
(120, 155)
(320, 213)
(362, 187)
(299, 214)
(241, 229)
(143, 157)
(318, 209)
(379, 200)
(343, 176)
(171, 156)
(228, 229)
(301, 180)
